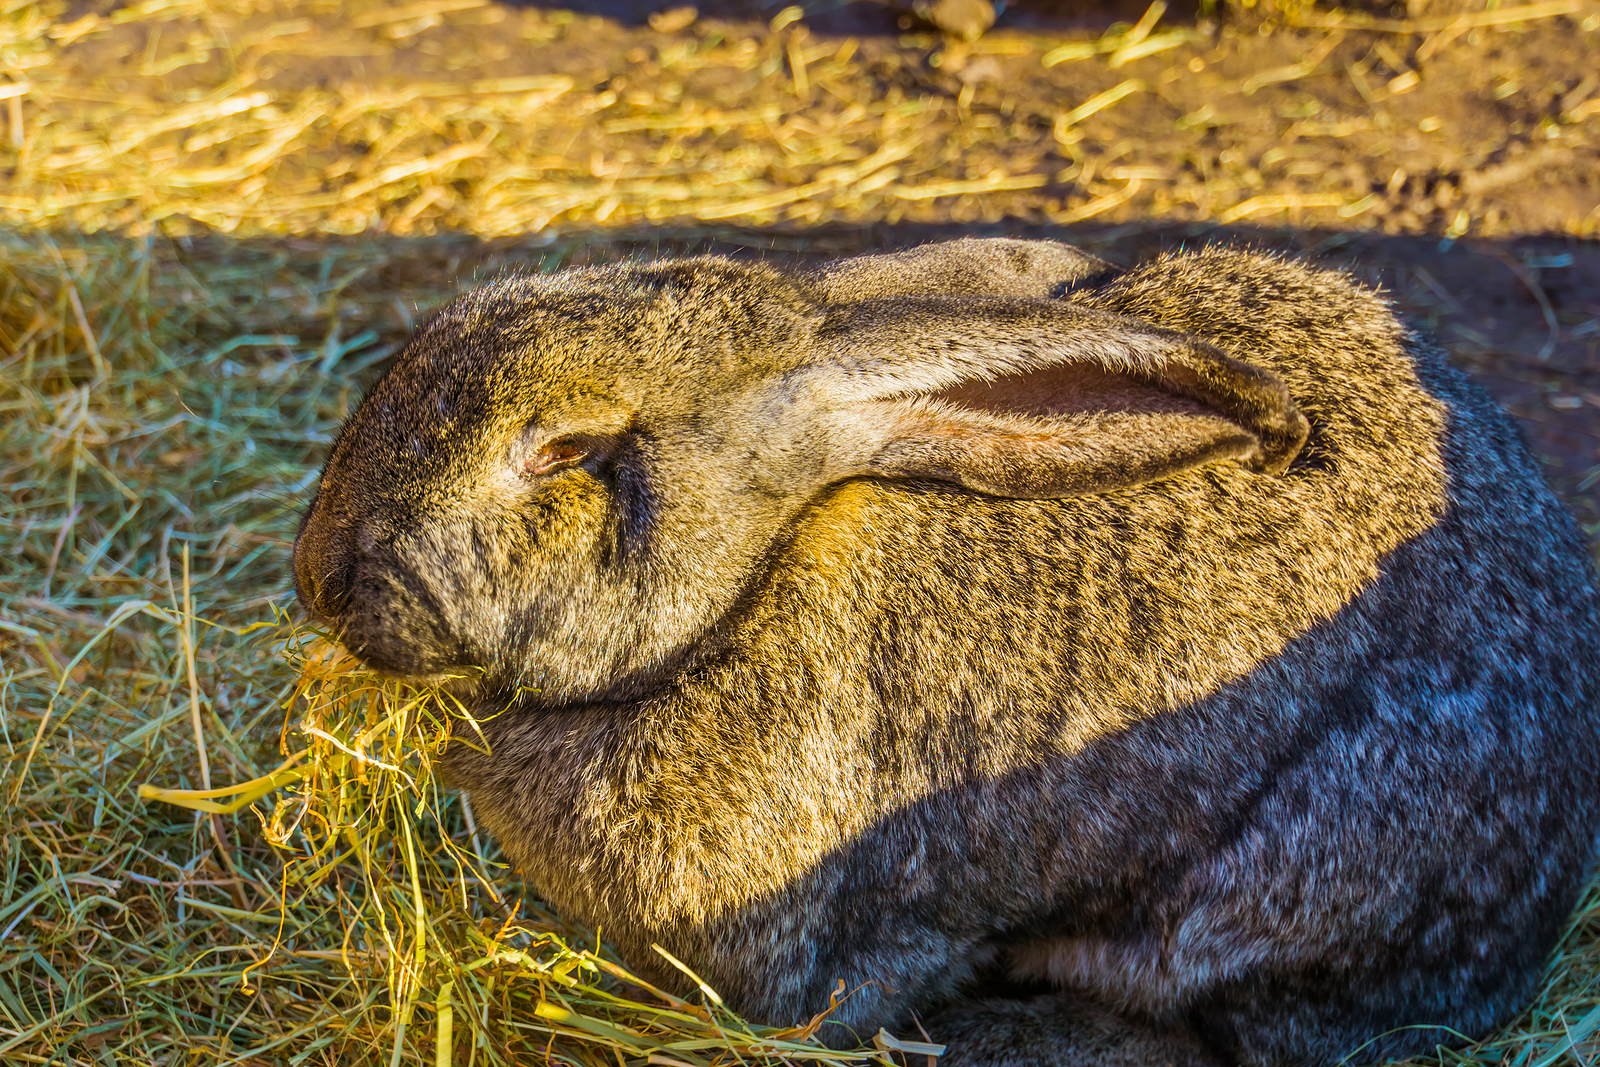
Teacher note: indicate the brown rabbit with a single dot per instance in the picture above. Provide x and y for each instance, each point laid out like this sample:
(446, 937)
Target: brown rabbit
(1182, 665)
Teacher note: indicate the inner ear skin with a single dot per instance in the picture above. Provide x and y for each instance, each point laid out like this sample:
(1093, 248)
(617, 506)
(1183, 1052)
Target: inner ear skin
(1072, 428)
(1065, 389)
(1022, 457)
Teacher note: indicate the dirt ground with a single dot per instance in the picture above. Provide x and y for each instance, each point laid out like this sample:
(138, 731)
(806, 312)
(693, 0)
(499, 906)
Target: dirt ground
(1446, 151)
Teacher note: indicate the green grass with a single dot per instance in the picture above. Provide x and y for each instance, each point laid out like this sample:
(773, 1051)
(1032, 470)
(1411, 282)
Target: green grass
(163, 428)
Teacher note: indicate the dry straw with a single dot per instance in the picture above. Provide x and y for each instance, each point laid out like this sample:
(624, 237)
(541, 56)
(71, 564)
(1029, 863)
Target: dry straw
(425, 929)
(164, 404)
(762, 127)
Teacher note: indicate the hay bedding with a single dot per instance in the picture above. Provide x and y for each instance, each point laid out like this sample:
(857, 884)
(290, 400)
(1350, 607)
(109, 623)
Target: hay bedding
(164, 403)
(336, 907)
(466, 116)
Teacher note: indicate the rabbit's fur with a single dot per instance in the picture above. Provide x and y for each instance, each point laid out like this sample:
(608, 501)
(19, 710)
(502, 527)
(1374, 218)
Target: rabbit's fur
(963, 626)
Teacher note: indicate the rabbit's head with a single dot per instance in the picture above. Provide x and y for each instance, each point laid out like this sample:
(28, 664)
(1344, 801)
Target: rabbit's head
(567, 484)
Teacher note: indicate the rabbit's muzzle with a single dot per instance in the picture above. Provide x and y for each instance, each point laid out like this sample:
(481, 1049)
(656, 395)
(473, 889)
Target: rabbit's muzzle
(377, 603)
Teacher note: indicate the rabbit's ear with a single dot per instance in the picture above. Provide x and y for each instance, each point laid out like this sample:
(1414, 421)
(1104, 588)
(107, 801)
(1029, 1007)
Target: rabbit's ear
(1038, 398)
(973, 266)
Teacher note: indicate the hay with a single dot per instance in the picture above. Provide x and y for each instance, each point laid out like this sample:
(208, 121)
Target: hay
(329, 907)
(249, 148)
(166, 404)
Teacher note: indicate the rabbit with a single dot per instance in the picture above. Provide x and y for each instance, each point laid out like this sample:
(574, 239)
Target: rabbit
(1076, 665)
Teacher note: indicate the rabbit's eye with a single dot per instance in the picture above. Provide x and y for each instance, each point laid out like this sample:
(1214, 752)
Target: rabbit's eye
(554, 456)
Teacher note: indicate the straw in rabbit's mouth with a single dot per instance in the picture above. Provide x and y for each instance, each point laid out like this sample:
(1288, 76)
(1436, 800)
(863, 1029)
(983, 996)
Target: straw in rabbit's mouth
(447, 678)
(437, 679)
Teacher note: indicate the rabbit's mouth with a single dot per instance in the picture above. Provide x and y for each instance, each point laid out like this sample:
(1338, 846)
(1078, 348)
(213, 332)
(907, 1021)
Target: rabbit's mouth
(409, 672)
(405, 646)
(396, 636)
(460, 682)
(446, 680)
(381, 609)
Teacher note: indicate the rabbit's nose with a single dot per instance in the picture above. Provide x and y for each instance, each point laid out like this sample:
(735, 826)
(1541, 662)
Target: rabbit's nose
(333, 587)
(324, 565)
(323, 581)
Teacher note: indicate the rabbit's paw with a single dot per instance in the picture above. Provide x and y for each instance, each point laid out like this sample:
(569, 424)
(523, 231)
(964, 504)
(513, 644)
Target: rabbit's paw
(1059, 1029)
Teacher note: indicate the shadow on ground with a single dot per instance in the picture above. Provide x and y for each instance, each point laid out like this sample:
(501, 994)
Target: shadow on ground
(864, 18)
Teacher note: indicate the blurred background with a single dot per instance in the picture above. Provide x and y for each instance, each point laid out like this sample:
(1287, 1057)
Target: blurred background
(219, 220)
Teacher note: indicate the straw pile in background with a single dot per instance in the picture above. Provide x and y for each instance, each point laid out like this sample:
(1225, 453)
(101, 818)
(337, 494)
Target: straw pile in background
(461, 115)
(167, 397)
